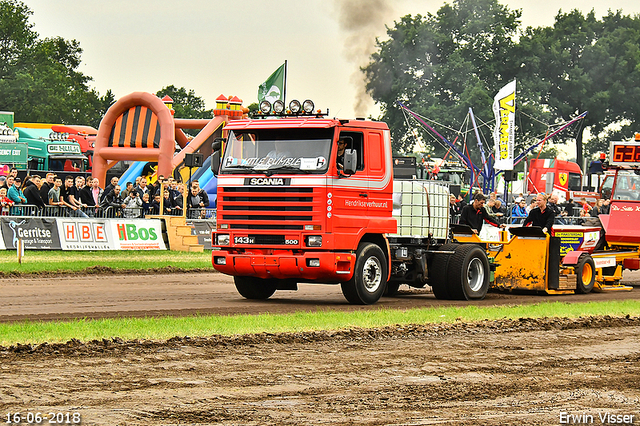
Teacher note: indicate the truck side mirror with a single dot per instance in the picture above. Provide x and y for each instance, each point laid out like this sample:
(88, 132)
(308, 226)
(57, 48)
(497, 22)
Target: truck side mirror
(350, 161)
(216, 147)
(215, 162)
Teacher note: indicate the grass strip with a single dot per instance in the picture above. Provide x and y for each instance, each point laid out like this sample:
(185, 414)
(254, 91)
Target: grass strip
(73, 261)
(160, 328)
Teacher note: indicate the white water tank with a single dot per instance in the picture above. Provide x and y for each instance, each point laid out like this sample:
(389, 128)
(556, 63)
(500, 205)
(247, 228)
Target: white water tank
(421, 207)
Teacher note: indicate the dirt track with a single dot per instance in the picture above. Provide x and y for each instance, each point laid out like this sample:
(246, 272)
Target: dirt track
(100, 296)
(490, 373)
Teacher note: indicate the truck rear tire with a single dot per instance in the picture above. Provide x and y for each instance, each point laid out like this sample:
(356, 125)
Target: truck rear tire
(255, 288)
(468, 273)
(438, 278)
(369, 279)
(586, 274)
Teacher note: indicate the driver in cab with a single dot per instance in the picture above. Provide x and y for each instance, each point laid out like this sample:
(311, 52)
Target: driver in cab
(342, 145)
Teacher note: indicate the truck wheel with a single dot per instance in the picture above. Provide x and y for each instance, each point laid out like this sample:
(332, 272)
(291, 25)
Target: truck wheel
(468, 273)
(586, 274)
(255, 288)
(438, 279)
(369, 277)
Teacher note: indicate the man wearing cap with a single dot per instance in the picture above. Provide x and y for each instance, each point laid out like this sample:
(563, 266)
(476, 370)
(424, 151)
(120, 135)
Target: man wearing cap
(15, 193)
(475, 215)
(519, 210)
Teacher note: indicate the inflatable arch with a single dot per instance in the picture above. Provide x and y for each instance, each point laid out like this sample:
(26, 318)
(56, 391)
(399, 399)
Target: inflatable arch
(141, 127)
(138, 127)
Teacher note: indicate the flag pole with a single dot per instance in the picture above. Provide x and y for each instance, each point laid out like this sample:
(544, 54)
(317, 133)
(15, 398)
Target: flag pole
(284, 95)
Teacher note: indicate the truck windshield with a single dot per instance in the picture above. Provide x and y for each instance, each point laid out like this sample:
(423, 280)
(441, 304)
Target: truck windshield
(627, 186)
(280, 150)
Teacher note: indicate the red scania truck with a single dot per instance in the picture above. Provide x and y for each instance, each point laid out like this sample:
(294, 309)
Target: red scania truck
(303, 198)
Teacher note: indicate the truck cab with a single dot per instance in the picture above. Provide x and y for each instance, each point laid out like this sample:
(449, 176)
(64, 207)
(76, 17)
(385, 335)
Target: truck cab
(50, 151)
(290, 210)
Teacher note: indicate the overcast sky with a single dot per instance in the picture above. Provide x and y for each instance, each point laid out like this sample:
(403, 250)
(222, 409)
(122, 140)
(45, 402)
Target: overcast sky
(216, 47)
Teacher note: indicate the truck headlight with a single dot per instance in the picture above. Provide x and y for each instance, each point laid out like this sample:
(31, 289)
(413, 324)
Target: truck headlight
(314, 241)
(220, 260)
(223, 239)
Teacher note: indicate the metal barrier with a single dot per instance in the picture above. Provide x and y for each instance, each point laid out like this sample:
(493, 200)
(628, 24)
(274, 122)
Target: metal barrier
(110, 212)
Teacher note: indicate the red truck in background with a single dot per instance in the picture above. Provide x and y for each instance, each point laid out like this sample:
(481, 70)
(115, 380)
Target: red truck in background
(307, 199)
(559, 176)
(85, 136)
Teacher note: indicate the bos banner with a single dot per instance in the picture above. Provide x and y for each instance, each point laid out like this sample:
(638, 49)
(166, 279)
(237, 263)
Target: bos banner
(504, 109)
(36, 233)
(137, 234)
(82, 234)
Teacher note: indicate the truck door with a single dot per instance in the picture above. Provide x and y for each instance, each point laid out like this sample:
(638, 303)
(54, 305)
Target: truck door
(378, 169)
(348, 197)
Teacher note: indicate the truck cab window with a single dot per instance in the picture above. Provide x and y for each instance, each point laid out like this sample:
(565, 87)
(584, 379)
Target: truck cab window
(354, 141)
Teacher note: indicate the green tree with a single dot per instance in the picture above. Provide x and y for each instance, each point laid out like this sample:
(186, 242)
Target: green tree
(440, 65)
(585, 64)
(39, 80)
(185, 102)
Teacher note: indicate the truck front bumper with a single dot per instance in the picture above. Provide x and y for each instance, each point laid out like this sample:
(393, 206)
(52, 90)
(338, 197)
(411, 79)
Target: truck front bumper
(327, 267)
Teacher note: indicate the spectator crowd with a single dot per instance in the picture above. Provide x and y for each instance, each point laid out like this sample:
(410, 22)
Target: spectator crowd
(565, 213)
(84, 197)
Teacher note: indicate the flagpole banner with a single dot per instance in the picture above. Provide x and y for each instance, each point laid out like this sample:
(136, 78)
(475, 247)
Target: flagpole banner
(504, 109)
(273, 87)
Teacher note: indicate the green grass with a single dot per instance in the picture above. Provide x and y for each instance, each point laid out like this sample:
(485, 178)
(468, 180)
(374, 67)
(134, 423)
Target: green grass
(37, 261)
(167, 327)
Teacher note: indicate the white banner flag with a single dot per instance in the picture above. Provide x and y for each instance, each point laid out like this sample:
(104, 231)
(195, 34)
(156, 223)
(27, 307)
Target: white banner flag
(504, 109)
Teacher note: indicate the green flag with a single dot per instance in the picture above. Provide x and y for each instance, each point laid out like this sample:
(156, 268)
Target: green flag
(273, 87)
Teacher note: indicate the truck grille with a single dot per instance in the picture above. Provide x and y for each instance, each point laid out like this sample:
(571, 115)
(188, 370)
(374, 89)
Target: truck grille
(267, 208)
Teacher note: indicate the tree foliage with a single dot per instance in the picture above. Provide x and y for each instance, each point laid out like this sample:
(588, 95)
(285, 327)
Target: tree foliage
(440, 65)
(185, 102)
(39, 78)
(585, 64)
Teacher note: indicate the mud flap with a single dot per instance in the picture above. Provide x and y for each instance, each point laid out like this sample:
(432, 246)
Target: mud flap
(553, 270)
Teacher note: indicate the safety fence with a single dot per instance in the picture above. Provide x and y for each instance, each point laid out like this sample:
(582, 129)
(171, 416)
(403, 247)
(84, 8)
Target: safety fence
(107, 212)
(507, 220)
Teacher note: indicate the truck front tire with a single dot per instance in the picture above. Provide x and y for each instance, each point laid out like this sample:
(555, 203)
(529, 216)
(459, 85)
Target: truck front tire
(255, 288)
(369, 279)
(468, 273)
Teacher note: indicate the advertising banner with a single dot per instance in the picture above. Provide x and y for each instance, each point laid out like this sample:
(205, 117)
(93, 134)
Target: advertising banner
(504, 109)
(36, 233)
(203, 230)
(137, 234)
(85, 234)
